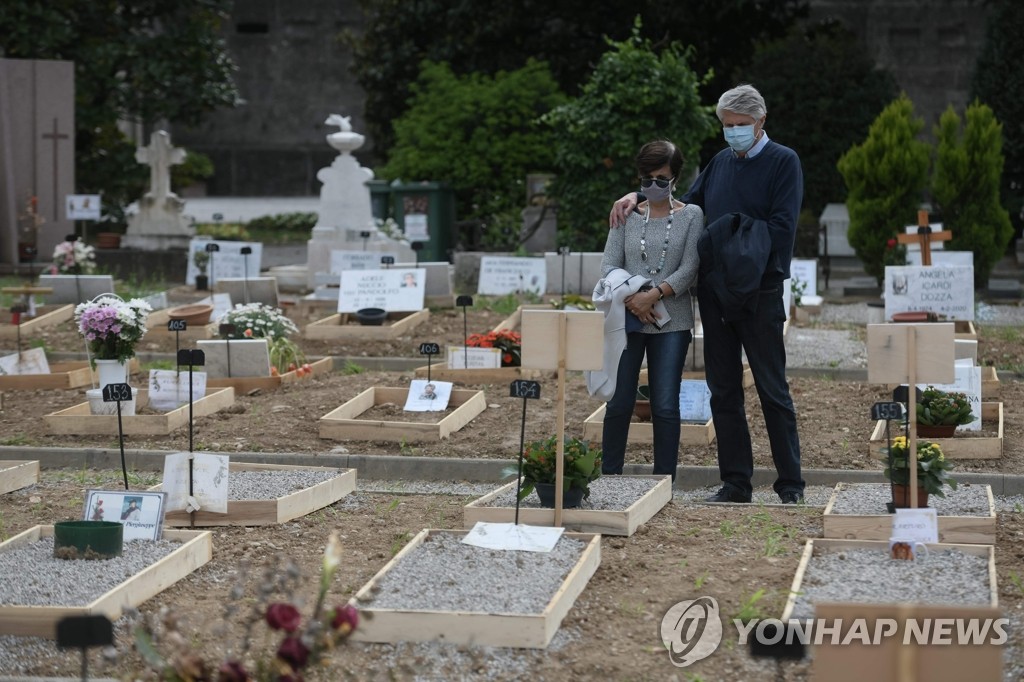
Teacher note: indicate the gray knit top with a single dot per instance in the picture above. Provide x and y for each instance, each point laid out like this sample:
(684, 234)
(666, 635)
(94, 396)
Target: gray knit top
(622, 250)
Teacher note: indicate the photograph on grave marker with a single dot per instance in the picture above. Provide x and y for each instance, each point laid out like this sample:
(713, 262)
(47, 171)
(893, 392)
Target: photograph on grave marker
(428, 396)
(141, 513)
(382, 289)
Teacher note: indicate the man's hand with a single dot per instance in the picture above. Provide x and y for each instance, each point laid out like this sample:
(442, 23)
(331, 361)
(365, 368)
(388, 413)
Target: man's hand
(620, 209)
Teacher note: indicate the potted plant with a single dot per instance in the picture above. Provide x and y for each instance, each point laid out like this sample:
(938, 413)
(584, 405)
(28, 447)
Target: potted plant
(940, 412)
(508, 341)
(932, 472)
(201, 260)
(112, 328)
(582, 464)
(260, 321)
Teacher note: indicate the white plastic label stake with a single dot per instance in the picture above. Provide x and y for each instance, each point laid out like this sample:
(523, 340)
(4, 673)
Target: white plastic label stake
(916, 525)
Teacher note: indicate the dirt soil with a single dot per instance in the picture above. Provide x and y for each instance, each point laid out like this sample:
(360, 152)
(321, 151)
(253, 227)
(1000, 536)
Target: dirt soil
(734, 554)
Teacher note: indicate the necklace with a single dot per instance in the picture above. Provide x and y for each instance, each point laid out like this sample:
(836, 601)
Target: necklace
(664, 246)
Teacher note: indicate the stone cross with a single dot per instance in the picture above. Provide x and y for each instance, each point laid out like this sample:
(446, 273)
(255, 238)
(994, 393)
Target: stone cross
(925, 236)
(160, 156)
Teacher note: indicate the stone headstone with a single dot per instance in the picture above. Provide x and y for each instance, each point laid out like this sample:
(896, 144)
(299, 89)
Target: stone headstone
(580, 272)
(942, 289)
(227, 261)
(539, 232)
(253, 290)
(76, 289)
(805, 270)
(834, 221)
(221, 305)
(344, 259)
(345, 209)
(461, 357)
(160, 223)
(391, 290)
(37, 151)
(508, 275)
(246, 357)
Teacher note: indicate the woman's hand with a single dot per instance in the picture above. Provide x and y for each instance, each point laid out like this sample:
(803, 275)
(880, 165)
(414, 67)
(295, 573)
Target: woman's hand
(621, 209)
(642, 303)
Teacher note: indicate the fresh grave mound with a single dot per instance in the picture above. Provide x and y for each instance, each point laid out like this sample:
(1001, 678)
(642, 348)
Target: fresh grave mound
(269, 485)
(871, 498)
(444, 574)
(606, 493)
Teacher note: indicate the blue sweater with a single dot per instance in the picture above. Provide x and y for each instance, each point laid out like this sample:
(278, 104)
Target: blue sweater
(768, 188)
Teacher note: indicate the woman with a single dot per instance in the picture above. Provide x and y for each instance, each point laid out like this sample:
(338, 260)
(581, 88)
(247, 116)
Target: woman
(659, 244)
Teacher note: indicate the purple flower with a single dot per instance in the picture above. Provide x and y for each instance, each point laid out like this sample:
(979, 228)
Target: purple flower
(346, 619)
(232, 671)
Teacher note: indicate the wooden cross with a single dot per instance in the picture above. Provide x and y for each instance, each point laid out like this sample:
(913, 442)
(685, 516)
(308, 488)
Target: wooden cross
(56, 137)
(925, 237)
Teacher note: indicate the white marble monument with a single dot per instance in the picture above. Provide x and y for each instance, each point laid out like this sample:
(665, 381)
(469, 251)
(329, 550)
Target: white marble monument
(160, 223)
(344, 211)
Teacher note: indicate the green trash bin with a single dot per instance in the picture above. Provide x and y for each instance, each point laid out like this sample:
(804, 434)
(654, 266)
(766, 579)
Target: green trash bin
(380, 198)
(425, 211)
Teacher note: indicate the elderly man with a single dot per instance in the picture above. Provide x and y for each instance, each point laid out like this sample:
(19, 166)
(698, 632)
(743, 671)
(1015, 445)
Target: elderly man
(751, 194)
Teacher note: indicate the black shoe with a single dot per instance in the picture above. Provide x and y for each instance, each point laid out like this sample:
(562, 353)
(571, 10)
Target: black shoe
(791, 498)
(728, 494)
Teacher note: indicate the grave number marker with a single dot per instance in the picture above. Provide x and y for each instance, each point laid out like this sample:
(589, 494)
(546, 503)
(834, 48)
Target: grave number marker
(524, 388)
(226, 329)
(387, 260)
(463, 300)
(430, 349)
(177, 325)
(117, 393)
(887, 411)
(189, 356)
(210, 248)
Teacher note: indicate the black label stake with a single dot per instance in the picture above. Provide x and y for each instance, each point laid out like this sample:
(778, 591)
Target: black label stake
(84, 632)
(387, 261)
(117, 393)
(416, 247)
(212, 249)
(430, 350)
(465, 301)
(245, 251)
(226, 330)
(563, 251)
(177, 326)
(525, 389)
(889, 411)
(365, 234)
(192, 358)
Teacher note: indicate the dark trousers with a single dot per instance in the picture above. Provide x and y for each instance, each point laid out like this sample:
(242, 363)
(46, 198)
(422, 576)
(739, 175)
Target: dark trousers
(761, 338)
(665, 355)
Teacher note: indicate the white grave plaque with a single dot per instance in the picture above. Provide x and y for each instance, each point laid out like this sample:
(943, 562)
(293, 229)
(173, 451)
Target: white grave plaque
(31, 361)
(502, 275)
(209, 482)
(416, 227)
(916, 525)
(694, 401)
(221, 305)
(477, 358)
(252, 290)
(428, 396)
(227, 262)
(83, 206)
(967, 381)
(141, 513)
(805, 270)
(236, 358)
(943, 289)
(509, 536)
(342, 260)
(169, 389)
(392, 290)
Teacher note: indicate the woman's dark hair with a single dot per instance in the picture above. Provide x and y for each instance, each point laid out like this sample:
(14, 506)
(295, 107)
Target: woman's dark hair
(656, 154)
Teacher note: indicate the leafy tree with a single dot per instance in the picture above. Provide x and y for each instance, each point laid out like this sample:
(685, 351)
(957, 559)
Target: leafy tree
(634, 95)
(481, 136)
(968, 167)
(820, 112)
(136, 60)
(885, 177)
(998, 81)
(488, 36)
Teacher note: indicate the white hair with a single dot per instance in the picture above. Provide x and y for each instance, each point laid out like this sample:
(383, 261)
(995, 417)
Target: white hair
(743, 99)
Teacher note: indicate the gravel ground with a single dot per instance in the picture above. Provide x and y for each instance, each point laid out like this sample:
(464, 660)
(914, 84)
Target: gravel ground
(606, 493)
(871, 498)
(857, 313)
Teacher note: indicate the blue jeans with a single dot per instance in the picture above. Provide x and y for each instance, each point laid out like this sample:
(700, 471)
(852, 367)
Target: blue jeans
(761, 338)
(665, 355)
